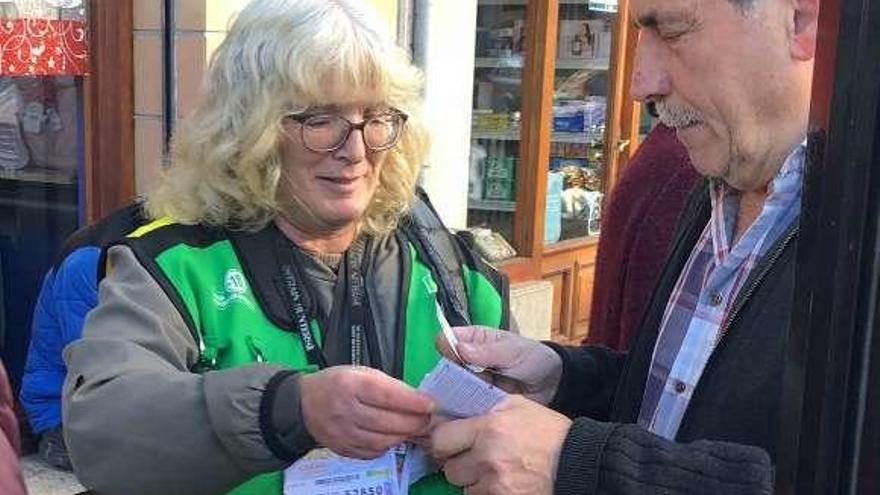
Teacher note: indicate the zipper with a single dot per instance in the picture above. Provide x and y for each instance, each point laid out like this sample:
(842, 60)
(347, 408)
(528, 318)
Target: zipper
(741, 301)
(404, 284)
(255, 346)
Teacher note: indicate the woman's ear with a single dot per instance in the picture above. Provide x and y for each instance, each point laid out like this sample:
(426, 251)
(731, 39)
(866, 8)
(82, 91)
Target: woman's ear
(805, 26)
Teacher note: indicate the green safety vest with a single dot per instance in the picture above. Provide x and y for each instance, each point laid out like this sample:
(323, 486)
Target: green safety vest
(201, 272)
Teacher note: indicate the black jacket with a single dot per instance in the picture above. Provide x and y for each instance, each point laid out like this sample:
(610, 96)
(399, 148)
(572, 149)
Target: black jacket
(727, 439)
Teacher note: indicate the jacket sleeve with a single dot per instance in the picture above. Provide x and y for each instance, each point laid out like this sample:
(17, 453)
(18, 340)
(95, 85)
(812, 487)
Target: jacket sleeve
(10, 474)
(67, 295)
(599, 457)
(589, 380)
(76, 287)
(627, 459)
(44, 370)
(137, 421)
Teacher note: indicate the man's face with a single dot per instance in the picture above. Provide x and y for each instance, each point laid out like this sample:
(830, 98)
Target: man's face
(725, 79)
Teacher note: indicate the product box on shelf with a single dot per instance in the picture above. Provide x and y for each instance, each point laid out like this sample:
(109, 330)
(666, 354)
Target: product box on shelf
(560, 162)
(595, 109)
(553, 208)
(602, 5)
(579, 115)
(574, 150)
(498, 189)
(499, 167)
(568, 118)
(483, 120)
(583, 39)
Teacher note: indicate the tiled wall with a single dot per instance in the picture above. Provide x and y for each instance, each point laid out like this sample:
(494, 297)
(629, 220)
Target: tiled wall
(147, 91)
(198, 28)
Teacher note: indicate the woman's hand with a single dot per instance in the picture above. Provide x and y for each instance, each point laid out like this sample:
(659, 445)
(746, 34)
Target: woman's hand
(361, 412)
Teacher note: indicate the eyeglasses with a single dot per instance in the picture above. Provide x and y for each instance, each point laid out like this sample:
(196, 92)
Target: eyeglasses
(328, 132)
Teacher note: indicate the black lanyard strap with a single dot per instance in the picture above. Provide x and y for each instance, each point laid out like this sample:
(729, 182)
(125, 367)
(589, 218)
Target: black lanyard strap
(357, 296)
(289, 285)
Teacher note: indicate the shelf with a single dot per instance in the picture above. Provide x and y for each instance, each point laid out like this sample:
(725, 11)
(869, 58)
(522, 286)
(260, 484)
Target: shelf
(604, 6)
(512, 62)
(39, 175)
(589, 137)
(516, 62)
(491, 205)
(583, 64)
(32, 204)
(502, 2)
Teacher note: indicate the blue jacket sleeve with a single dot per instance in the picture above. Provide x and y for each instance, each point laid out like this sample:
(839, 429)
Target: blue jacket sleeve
(67, 295)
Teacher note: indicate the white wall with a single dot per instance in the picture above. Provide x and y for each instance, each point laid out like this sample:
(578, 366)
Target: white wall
(444, 36)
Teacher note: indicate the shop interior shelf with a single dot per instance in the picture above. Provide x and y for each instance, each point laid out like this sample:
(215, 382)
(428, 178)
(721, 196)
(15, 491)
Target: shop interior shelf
(587, 137)
(579, 64)
(516, 62)
(492, 205)
(563, 2)
(34, 174)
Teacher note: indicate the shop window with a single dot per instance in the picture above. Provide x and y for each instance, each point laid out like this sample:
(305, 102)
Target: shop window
(577, 170)
(43, 58)
(577, 154)
(497, 115)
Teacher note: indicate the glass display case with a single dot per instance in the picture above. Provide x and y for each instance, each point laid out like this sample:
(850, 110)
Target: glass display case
(497, 114)
(43, 53)
(551, 128)
(577, 167)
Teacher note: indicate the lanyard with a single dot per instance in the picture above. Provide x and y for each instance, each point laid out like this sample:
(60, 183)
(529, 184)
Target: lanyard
(290, 284)
(354, 259)
(290, 287)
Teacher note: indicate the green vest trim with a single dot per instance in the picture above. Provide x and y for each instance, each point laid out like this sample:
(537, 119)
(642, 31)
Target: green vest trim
(203, 276)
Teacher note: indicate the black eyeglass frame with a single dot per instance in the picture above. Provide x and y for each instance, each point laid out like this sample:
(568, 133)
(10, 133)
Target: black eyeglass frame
(302, 117)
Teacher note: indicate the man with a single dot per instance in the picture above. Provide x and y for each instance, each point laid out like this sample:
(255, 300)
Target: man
(694, 406)
(637, 226)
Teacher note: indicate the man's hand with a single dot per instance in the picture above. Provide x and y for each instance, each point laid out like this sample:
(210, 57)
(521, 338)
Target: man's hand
(513, 450)
(517, 364)
(361, 412)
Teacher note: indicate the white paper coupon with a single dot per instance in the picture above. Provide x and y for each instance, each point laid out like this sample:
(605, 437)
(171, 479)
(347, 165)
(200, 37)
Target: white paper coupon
(417, 465)
(321, 472)
(458, 392)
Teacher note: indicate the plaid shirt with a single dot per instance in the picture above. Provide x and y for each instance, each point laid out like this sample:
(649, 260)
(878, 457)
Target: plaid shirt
(702, 298)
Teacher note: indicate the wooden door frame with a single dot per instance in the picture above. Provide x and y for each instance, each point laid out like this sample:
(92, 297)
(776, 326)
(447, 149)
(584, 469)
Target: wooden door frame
(622, 126)
(538, 260)
(830, 417)
(109, 172)
(542, 17)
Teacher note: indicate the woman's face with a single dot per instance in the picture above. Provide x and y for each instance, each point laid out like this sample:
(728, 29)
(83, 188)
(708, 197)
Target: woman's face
(324, 191)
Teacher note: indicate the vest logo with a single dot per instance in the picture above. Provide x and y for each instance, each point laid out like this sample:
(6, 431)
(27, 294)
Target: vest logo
(235, 289)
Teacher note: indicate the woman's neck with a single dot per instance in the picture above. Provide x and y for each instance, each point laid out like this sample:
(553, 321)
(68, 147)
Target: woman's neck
(325, 242)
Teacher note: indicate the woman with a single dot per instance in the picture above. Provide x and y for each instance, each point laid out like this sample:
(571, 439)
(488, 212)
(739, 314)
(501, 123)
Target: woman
(289, 247)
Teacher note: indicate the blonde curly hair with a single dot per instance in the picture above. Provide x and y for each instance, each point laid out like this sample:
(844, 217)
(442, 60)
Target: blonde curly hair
(282, 56)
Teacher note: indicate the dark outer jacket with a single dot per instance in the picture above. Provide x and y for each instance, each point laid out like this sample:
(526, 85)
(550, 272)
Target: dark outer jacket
(726, 443)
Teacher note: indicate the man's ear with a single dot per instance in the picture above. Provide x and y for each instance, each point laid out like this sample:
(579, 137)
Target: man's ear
(804, 29)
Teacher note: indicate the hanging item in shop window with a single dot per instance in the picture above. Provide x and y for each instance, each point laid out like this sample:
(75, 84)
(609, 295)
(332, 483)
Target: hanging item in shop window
(13, 151)
(43, 38)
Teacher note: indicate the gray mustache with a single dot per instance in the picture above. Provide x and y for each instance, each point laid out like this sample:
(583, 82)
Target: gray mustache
(676, 116)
